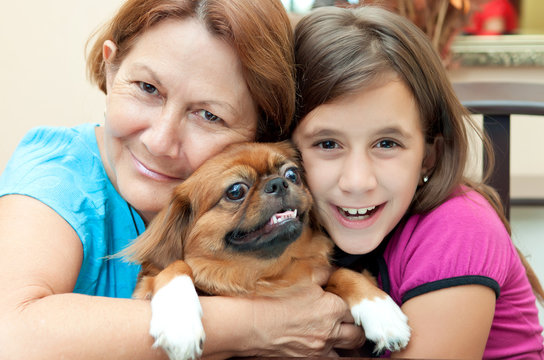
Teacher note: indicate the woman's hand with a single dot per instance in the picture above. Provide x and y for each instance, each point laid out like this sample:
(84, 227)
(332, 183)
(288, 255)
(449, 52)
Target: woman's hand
(310, 322)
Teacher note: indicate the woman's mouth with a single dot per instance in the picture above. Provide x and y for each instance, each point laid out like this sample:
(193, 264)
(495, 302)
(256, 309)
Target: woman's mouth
(144, 170)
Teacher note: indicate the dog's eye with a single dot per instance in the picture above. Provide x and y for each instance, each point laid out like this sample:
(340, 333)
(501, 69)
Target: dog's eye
(292, 175)
(236, 192)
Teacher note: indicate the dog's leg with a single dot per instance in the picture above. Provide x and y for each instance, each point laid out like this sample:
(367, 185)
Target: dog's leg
(176, 314)
(383, 321)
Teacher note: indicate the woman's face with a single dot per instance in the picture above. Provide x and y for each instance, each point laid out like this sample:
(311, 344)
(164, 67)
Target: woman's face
(363, 157)
(176, 99)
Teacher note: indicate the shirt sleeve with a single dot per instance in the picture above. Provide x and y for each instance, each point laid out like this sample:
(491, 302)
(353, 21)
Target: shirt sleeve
(48, 165)
(461, 242)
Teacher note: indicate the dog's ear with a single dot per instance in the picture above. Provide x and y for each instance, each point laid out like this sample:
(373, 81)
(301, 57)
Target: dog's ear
(162, 242)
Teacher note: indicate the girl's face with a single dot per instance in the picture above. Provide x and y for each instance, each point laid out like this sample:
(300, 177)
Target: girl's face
(176, 99)
(363, 156)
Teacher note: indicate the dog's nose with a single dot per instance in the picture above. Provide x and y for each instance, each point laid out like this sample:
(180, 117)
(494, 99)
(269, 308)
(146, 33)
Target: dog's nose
(276, 186)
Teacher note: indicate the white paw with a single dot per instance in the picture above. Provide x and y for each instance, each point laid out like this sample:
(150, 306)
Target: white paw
(176, 321)
(384, 323)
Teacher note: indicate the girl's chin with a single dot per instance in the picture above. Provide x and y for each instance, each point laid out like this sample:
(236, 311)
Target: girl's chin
(356, 248)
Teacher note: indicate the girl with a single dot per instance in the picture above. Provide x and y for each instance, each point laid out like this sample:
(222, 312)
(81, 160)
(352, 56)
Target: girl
(384, 144)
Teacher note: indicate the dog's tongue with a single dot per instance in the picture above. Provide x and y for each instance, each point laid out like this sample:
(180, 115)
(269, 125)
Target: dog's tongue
(280, 217)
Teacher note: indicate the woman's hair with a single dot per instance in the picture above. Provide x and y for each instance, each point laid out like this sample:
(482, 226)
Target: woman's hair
(258, 30)
(342, 51)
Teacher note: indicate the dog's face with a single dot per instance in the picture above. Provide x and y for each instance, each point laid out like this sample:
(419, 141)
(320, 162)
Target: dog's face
(248, 200)
(238, 212)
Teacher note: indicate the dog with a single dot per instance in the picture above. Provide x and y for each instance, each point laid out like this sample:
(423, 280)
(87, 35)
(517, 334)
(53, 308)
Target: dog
(240, 226)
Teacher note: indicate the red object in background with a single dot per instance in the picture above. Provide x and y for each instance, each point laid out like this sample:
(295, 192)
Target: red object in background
(496, 17)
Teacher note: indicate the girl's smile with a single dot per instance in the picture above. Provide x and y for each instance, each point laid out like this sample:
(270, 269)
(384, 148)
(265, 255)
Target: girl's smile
(357, 218)
(364, 156)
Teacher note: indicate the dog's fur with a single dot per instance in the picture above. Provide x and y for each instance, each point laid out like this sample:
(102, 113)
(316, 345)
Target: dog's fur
(218, 234)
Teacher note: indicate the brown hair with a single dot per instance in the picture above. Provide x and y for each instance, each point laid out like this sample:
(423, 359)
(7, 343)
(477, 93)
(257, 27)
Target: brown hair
(341, 51)
(258, 30)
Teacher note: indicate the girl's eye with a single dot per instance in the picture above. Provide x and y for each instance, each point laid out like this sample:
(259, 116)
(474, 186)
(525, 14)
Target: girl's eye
(328, 145)
(209, 116)
(148, 88)
(292, 175)
(386, 144)
(236, 192)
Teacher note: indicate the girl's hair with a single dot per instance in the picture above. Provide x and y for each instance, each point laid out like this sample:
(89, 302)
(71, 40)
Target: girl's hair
(341, 51)
(258, 30)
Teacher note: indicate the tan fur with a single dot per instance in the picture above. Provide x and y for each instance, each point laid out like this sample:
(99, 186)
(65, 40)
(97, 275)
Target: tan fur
(352, 287)
(187, 237)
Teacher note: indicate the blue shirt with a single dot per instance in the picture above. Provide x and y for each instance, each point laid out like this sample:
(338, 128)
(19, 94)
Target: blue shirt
(62, 168)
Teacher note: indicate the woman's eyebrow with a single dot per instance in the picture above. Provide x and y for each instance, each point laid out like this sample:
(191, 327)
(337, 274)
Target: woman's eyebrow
(144, 67)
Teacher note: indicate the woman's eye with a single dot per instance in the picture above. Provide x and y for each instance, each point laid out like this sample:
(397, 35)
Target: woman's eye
(386, 144)
(236, 192)
(292, 175)
(328, 144)
(148, 88)
(208, 116)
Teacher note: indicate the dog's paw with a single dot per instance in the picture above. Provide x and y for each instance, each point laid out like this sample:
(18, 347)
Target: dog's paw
(176, 321)
(384, 323)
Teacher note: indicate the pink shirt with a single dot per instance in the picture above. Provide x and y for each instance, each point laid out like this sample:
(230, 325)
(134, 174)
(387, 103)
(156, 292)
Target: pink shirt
(464, 242)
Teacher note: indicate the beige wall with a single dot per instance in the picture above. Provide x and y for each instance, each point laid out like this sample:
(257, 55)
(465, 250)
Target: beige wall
(42, 66)
(531, 13)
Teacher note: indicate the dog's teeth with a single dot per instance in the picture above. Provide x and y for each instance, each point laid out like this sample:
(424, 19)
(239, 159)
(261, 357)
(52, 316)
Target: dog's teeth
(278, 218)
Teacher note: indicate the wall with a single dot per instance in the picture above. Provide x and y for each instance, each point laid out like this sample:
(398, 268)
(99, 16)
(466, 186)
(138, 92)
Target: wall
(527, 174)
(43, 67)
(531, 17)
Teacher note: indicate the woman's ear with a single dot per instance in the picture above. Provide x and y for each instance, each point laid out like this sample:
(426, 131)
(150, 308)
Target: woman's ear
(109, 51)
(432, 151)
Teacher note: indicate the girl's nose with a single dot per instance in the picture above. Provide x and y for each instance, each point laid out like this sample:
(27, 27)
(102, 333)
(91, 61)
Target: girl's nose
(164, 136)
(358, 175)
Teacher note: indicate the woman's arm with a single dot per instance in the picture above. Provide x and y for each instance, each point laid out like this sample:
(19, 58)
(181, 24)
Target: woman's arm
(311, 323)
(41, 319)
(41, 257)
(451, 323)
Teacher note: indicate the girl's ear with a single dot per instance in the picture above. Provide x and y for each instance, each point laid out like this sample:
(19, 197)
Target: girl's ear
(432, 151)
(109, 51)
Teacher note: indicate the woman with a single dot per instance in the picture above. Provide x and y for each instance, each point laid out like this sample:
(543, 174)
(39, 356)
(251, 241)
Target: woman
(182, 80)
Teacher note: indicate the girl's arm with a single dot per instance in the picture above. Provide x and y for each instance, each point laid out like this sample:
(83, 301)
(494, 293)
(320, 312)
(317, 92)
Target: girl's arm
(41, 319)
(451, 323)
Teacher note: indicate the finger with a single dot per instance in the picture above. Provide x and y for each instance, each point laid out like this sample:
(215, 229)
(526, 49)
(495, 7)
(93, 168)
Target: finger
(320, 276)
(348, 318)
(332, 353)
(350, 336)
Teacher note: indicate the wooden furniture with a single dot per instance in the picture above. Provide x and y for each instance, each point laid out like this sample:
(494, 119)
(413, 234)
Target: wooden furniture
(497, 101)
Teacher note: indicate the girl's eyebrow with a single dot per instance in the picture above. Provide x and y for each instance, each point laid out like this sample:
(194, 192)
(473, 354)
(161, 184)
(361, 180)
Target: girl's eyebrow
(322, 132)
(386, 131)
(393, 131)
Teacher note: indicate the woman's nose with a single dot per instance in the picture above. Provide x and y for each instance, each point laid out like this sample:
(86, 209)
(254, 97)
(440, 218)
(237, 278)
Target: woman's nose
(164, 136)
(358, 175)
